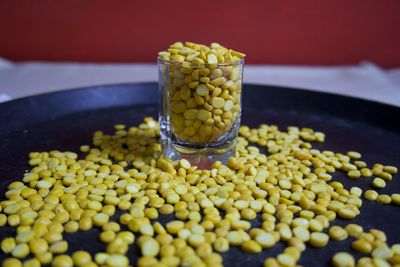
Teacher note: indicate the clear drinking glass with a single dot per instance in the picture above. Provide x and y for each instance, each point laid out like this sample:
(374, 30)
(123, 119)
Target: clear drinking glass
(199, 111)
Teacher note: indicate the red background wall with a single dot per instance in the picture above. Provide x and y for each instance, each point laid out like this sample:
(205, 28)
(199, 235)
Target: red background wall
(269, 31)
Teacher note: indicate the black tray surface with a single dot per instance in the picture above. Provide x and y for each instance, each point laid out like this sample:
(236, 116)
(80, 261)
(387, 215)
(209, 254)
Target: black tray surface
(65, 120)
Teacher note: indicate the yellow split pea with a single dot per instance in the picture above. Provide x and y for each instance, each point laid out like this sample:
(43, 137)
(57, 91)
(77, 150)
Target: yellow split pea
(213, 208)
(205, 84)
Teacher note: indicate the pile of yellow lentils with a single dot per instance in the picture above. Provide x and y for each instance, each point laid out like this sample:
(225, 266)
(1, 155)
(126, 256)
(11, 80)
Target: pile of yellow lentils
(203, 89)
(290, 187)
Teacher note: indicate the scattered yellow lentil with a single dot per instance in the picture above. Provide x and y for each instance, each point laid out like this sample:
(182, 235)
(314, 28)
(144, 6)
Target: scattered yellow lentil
(290, 188)
(371, 195)
(384, 199)
(250, 246)
(62, 261)
(319, 239)
(343, 259)
(81, 258)
(354, 174)
(361, 245)
(395, 198)
(379, 182)
(11, 262)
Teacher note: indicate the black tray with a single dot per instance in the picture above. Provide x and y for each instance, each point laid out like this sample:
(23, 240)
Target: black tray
(65, 120)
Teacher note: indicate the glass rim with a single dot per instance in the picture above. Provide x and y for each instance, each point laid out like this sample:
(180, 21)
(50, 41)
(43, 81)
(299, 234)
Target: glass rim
(172, 62)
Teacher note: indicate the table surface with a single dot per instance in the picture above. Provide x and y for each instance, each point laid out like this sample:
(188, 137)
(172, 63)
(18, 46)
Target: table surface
(365, 80)
(64, 121)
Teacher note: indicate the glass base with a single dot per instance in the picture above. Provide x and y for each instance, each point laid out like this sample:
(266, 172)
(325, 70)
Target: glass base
(201, 157)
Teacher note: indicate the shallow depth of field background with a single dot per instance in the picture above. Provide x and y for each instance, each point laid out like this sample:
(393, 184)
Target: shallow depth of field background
(271, 31)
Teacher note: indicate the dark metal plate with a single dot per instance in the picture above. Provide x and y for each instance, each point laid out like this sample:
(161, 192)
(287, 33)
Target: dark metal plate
(65, 120)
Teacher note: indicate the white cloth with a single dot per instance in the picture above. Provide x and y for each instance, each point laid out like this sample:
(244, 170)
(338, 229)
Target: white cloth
(364, 80)
(4, 98)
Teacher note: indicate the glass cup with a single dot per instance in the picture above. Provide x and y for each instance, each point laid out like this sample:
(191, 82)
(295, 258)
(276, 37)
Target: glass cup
(199, 111)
